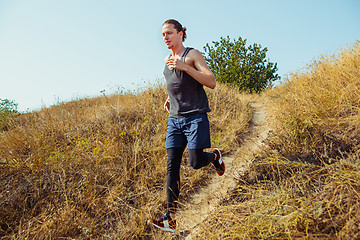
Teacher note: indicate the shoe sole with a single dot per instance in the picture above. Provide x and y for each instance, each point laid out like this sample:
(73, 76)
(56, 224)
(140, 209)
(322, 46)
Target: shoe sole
(222, 171)
(221, 163)
(161, 228)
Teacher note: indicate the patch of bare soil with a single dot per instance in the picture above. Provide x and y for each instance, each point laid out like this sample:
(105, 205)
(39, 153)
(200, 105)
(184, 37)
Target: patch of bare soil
(209, 197)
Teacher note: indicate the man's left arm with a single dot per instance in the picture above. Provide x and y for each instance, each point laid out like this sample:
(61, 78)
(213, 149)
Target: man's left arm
(201, 72)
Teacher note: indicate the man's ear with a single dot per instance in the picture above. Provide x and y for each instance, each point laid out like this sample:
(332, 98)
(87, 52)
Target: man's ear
(181, 34)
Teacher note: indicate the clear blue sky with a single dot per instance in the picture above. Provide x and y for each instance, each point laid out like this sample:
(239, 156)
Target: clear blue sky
(60, 50)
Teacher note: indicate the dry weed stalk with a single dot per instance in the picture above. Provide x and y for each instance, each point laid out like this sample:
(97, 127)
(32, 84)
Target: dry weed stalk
(95, 168)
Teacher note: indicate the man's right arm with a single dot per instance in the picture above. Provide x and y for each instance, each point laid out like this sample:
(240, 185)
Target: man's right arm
(167, 104)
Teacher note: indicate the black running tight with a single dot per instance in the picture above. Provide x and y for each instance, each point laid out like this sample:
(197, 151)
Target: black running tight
(197, 159)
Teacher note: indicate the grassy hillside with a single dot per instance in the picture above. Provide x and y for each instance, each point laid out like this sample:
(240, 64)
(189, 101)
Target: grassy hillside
(306, 184)
(95, 168)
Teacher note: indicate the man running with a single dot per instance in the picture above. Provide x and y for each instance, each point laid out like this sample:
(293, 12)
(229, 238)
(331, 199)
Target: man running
(186, 72)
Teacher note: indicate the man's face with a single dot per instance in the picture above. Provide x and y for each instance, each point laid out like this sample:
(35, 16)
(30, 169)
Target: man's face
(171, 36)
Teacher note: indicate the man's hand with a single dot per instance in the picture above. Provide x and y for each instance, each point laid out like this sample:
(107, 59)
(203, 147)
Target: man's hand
(195, 66)
(176, 63)
(167, 105)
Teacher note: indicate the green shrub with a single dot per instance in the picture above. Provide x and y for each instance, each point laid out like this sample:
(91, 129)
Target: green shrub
(8, 109)
(244, 67)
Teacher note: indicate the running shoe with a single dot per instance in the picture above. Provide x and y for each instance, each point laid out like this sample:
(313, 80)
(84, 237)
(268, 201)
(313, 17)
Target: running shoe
(165, 223)
(218, 163)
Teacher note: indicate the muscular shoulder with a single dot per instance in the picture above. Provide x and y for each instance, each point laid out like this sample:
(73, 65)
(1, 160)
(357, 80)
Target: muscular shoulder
(194, 53)
(193, 57)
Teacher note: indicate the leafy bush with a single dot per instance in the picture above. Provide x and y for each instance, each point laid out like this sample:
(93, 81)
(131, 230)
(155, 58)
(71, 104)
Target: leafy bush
(8, 109)
(244, 67)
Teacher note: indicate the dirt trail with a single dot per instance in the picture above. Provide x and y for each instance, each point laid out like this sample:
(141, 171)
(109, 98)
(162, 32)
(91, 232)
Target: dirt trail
(205, 201)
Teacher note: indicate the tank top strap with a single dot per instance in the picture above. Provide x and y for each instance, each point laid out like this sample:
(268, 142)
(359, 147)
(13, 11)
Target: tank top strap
(185, 53)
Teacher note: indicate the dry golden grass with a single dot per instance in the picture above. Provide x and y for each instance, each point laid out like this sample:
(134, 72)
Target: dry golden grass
(307, 184)
(320, 117)
(95, 168)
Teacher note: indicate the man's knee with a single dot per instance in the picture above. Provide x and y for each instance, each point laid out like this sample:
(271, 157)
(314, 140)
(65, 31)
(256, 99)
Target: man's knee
(195, 158)
(195, 165)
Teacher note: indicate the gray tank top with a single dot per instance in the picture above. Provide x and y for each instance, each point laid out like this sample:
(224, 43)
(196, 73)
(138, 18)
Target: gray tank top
(187, 96)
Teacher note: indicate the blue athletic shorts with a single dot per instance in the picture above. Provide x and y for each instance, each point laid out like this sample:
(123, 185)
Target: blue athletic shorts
(193, 130)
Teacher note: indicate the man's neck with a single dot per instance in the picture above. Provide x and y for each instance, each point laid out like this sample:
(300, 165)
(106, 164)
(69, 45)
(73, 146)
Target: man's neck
(177, 51)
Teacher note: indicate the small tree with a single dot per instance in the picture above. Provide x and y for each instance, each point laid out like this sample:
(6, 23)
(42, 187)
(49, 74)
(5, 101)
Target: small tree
(234, 63)
(8, 109)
